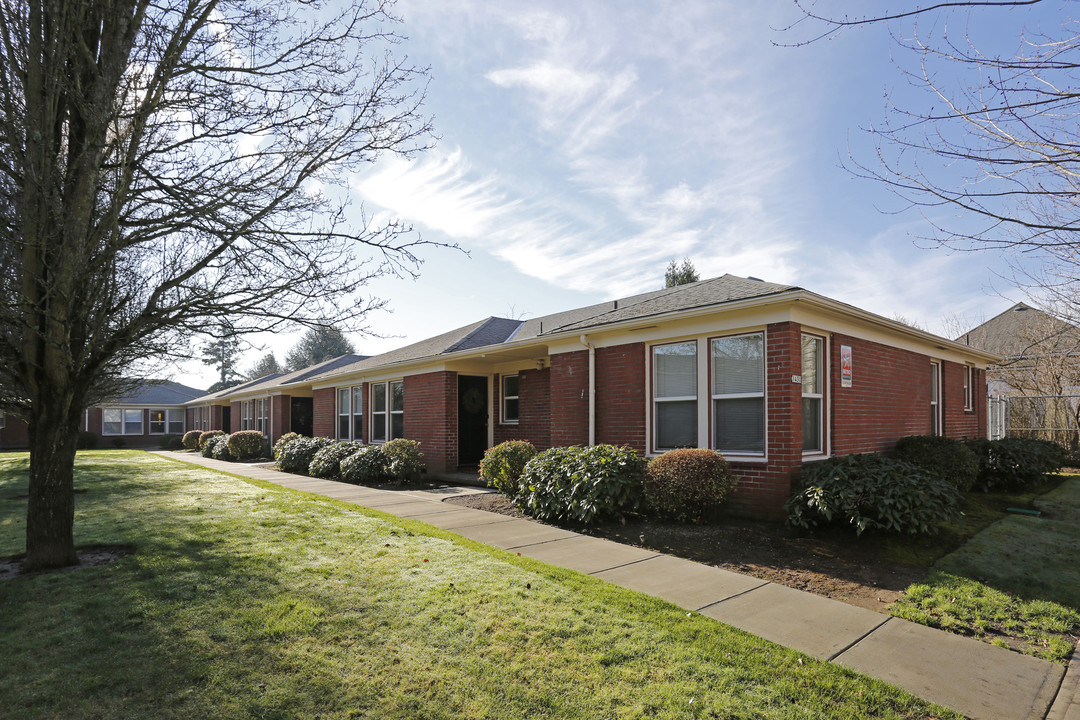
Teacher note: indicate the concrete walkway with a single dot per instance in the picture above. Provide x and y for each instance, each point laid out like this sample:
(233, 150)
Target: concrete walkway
(977, 679)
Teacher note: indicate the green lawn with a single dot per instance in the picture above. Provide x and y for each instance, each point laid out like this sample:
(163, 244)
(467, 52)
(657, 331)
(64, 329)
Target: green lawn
(247, 601)
(1016, 583)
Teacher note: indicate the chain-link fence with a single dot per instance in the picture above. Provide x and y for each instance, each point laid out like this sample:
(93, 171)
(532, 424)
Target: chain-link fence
(1047, 417)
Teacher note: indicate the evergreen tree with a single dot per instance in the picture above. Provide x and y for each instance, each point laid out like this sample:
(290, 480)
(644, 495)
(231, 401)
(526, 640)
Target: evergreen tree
(319, 343)
(680, 273)
(266, 365)
(221, 354)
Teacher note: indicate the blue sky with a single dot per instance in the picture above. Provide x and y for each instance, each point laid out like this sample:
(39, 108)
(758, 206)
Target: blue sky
(584, 145)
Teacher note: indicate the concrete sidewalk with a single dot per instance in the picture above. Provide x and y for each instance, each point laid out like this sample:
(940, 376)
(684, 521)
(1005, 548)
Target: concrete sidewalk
(979, 680)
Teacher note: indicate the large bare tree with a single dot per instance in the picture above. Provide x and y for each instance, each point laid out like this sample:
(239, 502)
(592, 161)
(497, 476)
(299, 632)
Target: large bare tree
(988, 143)
(166, 164)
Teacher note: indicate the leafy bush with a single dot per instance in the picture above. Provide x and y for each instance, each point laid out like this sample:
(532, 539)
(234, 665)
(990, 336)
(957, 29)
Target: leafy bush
(873, 492)
(191, 439)
(503, 464)
(247, 444)
(118, 442)
(169, 441)
(285, 440)
(1015, 463)
(687, 484)
(326, 463)
(582, 484)
(405, 461)
(945, 457)
(205, 436)
(369, 466)
(217, 447)
(296, 456)
(86, 441)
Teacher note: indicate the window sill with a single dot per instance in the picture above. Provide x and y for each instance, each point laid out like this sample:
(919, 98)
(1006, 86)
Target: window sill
(746, 459)
(510, 422)
(815, 457)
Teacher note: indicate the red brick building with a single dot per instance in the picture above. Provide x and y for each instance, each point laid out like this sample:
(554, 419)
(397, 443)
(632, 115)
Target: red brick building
(771, 376)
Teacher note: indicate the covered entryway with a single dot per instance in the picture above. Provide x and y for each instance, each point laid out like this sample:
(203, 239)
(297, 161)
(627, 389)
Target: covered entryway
(472, 419)
(301, 416)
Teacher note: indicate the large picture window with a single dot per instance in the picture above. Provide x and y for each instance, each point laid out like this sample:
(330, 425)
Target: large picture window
(674, 378)
(738, 394)
(121, 421)
(813, 394)
(510, 398)
(387, 411)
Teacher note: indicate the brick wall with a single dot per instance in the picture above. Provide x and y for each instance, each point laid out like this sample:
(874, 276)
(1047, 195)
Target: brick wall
(280, 416)
(764, 487)
(534, 409)
(620, 395)
(236, 416)
(569, 391)
(889, 398)
(431, 418)
(957, 422)
(217, 418)
(323, 405)
(15, 433)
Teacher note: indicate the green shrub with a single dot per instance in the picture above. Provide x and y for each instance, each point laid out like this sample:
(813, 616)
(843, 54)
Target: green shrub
(582, 484)
(217, 447)
(170, 441)
(873, 492)
(687, 484)
(86, 441)
(945, 457)
(205, 436)
(191, 439)
(503, 464)
(247, 444)
(118, 442)
(405, 461)
(283, 441)
(326, 463)
(1015, 463)
(296, 456)
(369, 466)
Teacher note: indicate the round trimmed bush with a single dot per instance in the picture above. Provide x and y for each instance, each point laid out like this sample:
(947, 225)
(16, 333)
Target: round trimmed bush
(688, 484)
(296, 457)
(1014, 463)
(404, 460)
(326, 463)
(218, 447)
(582, 484)
(205, 438)
(867, 492)
(945, 457)
(368, 466)
(502, 465)
(247, 444)
(191, 439)
(205, 435)
(170, 441)
(283, 441)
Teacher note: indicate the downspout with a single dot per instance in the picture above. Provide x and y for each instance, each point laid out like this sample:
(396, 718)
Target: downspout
(592, 389)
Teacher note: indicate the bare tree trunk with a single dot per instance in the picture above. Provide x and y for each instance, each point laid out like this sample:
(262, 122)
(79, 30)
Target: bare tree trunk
(50, 515)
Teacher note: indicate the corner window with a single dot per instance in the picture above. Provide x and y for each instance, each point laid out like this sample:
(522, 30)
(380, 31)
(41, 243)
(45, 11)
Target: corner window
(510, 399)
(813, 394)
(387, 411)
(935, 398)
(738, 394)
(674, 395)
(969, 395)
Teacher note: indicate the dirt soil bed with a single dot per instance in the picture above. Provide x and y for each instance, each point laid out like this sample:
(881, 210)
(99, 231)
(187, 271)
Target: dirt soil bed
(825, 563)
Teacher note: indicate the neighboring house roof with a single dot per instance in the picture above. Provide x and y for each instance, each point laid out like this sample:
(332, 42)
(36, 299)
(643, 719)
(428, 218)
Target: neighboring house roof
(1023, 331)
(275, 380)
(158, 392)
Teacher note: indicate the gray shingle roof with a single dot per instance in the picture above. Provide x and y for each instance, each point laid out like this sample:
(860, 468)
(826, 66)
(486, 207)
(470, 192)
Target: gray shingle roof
(159, 392)
(1023, 331)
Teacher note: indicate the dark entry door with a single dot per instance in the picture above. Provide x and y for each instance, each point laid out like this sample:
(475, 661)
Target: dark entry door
(472, 419)
(301, 416)
(226, 419)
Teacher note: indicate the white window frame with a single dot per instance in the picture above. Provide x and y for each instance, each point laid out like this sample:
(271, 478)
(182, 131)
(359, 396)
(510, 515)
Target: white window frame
(3, 421)
(350, 412)
(657, 401)
(969, 390)
(262, 415)
(164, 421)
(935, 398)
(713, 397)
(124, 414)
(170, 414)
(505, 417)
(386, 410)
(819, 396)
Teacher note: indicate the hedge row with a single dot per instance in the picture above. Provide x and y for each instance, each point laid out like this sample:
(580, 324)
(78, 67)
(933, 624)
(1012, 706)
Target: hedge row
(398, 461)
